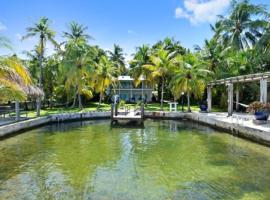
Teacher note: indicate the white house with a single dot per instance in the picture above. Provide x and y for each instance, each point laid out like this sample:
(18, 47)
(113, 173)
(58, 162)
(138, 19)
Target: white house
(128, 92)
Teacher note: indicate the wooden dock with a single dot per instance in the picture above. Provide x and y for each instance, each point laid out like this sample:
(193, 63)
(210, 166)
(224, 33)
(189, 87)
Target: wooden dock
(127, 114)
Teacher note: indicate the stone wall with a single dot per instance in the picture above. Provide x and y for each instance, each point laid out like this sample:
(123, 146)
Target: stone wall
(250, 133)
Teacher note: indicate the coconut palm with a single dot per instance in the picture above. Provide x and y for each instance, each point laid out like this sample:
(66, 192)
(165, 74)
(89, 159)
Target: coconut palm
(78, 62)
(141, 58)
(171, 45)
(106, 75)
(77, 32)
(190, 77)
(14, 79)
(242, 28)
(15, 82)
(117, 57)
(162, 63)
(211, 53)
(42, 30)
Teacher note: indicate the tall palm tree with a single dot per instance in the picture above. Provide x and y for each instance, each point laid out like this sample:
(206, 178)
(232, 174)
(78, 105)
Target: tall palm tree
(211, 52)
(141, 58)
(171, 45)
(106, 75)
(162, 63)
(77, 32)
(78, 62)
(42, 30)
(117, 57)
(242, 28)
(190, 77)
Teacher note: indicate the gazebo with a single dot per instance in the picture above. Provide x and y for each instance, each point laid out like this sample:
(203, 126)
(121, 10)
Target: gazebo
(229, 82)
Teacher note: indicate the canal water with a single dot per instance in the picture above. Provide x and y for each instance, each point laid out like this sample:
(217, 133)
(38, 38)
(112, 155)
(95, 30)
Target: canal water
(164, 160)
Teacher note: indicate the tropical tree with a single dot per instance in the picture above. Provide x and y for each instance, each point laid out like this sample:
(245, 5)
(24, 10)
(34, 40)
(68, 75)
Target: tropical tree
(211, 53)
(78, 62)
(161, 65)
(141, 58)
(243, 27)
(14, 79)
(118, 59)
(190, 77)
(171, 45)
(106, 75)
(4, 43)
(42, 30)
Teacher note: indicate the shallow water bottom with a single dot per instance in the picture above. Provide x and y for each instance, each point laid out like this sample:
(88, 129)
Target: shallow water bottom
(163, 160)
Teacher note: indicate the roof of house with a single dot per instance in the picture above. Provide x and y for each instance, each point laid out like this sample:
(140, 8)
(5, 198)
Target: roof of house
(129, 78)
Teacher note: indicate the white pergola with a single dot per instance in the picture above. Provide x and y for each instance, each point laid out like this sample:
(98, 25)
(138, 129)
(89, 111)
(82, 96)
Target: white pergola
(229, 82)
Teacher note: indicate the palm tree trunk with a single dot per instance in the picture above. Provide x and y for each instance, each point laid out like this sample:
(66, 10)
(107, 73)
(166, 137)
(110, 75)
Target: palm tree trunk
(80, 101)
(40, 59)
(74, 100)
(100, 97)
(162, 94)
(101, 94)
(188, 101)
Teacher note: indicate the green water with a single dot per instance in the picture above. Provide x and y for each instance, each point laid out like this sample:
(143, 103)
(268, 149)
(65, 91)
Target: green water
(165, 160)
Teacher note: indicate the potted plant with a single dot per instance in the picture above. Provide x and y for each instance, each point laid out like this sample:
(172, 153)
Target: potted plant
(260, 110)
(203, 106)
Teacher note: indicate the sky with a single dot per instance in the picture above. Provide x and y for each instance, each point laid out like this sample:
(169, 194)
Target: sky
(128, 23)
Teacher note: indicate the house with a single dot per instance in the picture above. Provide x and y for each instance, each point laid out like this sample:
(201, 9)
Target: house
(129, 93)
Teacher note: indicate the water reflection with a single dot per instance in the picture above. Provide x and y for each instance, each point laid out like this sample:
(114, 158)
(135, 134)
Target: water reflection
(163, 160)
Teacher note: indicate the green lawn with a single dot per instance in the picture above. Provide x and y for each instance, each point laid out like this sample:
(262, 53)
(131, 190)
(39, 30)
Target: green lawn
(90, 107)
(166, 107)
(106, 107)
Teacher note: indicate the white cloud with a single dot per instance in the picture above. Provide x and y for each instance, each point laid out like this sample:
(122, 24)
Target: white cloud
(201, 11)
(2, 26)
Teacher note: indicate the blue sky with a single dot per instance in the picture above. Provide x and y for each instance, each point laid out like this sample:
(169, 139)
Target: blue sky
(129, 23)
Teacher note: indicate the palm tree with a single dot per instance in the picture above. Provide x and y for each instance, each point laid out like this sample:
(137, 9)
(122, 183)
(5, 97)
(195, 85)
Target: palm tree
(211, 52)
(242, 29)
(117, 57)
(4, 43)
(162, 63)
(77, 32)
(141, 58)
(45, 33)
(78, 62)
(106, 76)
(15, 82)
(190, 77)
(14, 79)
(171, 45)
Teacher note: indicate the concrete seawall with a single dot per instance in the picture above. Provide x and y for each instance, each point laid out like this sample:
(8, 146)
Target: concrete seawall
(247, 130)
(36, 122)
(254, 133)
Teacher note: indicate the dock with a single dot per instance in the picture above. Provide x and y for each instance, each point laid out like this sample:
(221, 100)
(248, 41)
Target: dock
(127, 114)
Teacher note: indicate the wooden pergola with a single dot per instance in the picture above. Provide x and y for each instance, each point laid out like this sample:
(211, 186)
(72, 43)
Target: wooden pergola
(229, 82)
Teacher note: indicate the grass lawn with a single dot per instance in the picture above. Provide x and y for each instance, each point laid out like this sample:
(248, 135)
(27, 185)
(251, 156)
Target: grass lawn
(106, 107)
(166, 107)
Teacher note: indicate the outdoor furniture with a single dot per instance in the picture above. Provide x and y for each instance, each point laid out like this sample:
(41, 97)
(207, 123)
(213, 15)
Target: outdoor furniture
(173, 106)
(5, 110)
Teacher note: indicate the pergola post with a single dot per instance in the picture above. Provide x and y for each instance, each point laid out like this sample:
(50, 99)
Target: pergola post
(17, 110)
(263, 90)
(237, 98)
(230, 99)
(209, 98)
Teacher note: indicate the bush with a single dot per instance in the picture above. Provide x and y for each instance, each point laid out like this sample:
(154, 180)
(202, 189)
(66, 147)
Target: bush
(258, 107)
(122, 103)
